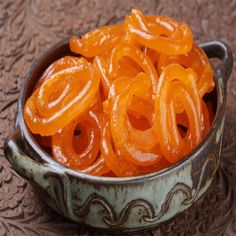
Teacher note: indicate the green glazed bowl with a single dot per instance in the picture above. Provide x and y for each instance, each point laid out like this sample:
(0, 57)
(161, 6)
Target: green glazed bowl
(115, 204)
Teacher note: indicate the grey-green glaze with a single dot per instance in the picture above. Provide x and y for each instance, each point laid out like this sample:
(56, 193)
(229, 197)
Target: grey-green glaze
(132, 203)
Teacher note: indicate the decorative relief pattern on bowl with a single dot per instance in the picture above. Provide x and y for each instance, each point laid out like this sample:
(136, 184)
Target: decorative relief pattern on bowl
(112, 218)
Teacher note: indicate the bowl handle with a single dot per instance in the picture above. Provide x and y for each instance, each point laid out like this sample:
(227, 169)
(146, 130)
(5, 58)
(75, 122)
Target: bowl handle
(218, 49)
(51, 179)
(25, 166)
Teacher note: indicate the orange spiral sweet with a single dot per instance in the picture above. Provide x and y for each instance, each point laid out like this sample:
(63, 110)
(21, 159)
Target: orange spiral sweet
(97, 41)
(164, 35)
(60, 99)
(177, 84)
(118, 122)
(64, 150)
(198, 61)
(124, 50)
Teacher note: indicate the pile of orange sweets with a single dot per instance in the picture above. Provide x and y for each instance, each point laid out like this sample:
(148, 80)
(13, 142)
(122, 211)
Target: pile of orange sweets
(130, 100)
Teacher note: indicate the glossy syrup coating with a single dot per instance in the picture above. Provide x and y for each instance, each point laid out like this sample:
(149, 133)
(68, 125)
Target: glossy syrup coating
(55, 103)
(131, 102)
(198, 61)
(62, 141)
(97, 41)
(162, 34)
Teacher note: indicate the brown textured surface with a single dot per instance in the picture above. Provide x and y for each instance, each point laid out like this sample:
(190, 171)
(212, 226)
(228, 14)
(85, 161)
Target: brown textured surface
(27, 28)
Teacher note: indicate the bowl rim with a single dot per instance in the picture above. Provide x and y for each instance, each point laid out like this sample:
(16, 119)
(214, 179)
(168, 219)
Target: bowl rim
(49, 161)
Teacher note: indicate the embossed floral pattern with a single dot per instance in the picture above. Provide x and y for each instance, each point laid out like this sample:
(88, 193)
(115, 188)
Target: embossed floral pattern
(28, 28)
(10, 197)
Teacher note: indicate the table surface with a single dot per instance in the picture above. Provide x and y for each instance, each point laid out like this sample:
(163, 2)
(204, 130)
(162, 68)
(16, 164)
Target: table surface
(28, 28)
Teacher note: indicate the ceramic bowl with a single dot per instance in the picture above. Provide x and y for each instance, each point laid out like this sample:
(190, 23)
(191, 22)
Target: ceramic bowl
(128, 204)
